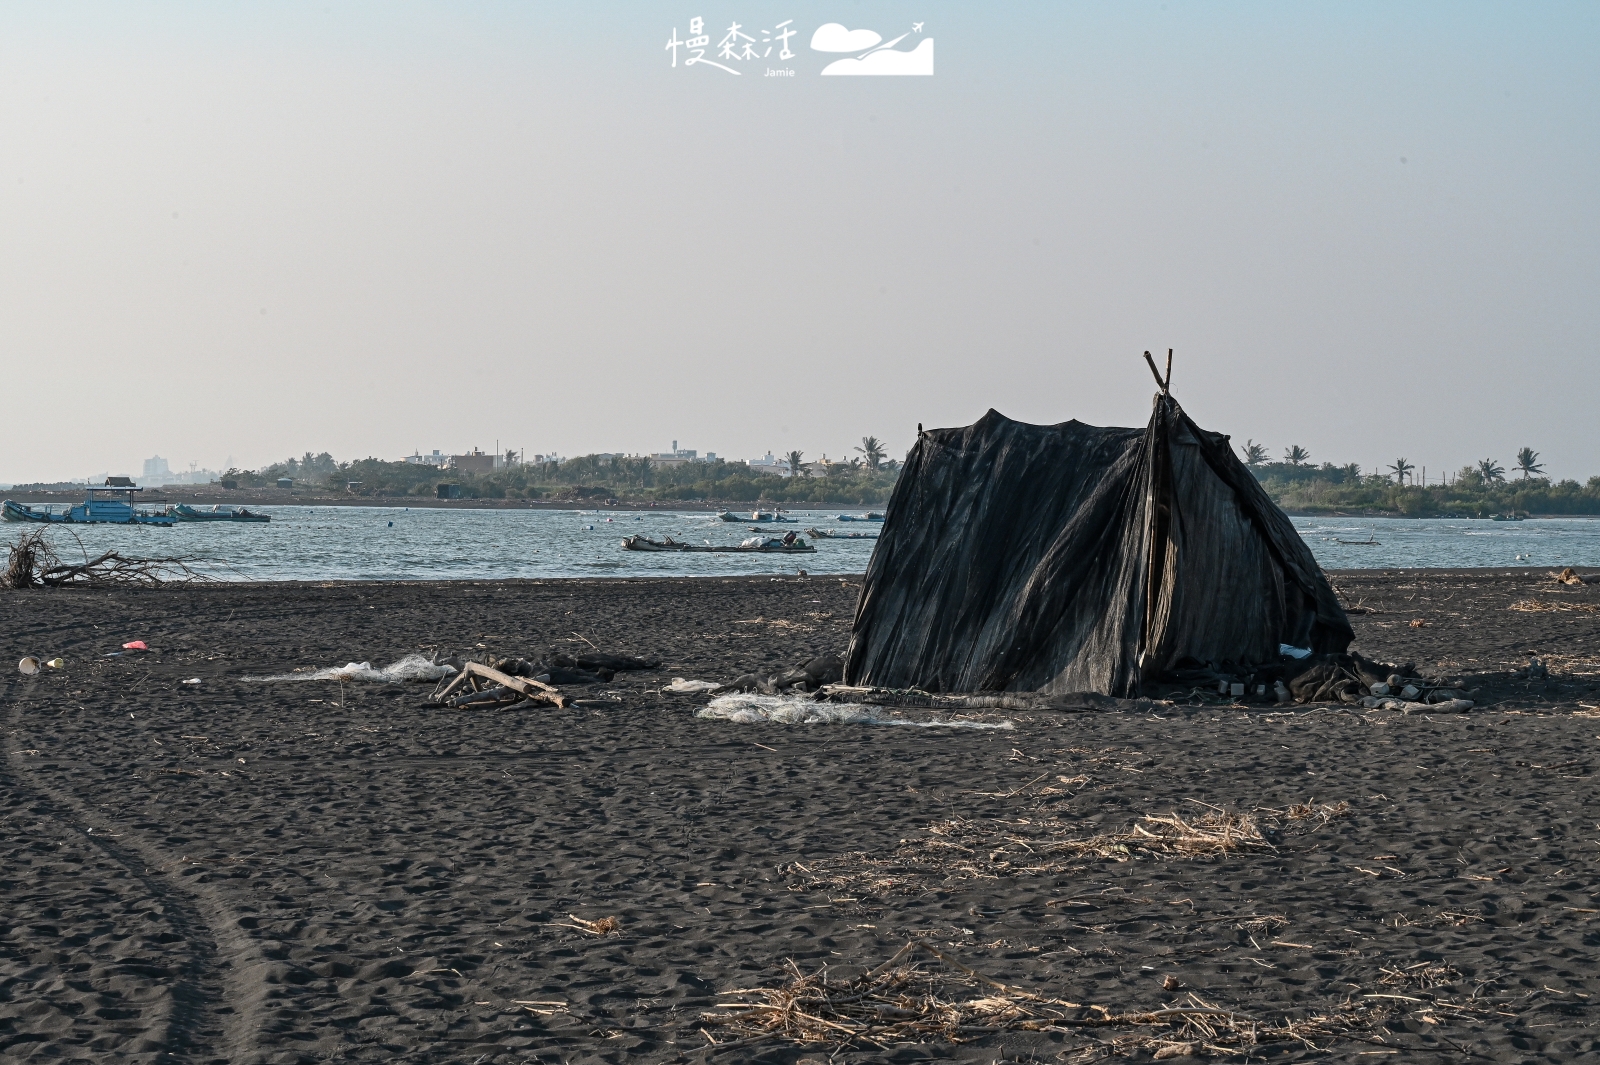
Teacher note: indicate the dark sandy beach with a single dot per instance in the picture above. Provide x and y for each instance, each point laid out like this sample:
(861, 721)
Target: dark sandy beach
(234, 871)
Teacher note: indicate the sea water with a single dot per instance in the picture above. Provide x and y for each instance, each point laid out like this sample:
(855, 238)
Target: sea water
(428, 543)
(368, 543)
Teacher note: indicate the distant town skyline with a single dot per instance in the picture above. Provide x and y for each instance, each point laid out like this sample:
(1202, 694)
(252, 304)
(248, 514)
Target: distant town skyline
(1417, 473)
(1367, 229)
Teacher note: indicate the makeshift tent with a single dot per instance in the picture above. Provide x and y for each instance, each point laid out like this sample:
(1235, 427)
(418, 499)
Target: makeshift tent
(1070, 558)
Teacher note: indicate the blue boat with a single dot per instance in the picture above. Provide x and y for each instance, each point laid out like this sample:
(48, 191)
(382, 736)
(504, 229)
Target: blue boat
(102, 507)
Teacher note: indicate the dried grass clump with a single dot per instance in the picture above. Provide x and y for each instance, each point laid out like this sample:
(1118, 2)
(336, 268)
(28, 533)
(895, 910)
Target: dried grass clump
(1322, 813)
(991, 848)
(605, 926)
(1421, 976)
(1545, 606)
(901, 1001)
(898, 1001)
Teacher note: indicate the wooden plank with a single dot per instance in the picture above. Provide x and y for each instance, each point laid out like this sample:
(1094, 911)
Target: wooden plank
(533, 689)
(455, 684)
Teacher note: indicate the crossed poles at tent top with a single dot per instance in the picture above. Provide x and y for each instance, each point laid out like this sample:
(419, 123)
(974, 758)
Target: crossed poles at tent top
(1165, 383)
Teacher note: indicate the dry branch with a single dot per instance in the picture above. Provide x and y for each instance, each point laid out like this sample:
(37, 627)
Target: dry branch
(33, 562)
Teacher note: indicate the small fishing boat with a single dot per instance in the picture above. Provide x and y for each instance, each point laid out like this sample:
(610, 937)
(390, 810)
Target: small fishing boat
(768, 547)
(100, 508)
(184, 512)
(1513, 516)
(10, 510)
(871, 515)
(758, 515)
(824, 534)
(1370, 541)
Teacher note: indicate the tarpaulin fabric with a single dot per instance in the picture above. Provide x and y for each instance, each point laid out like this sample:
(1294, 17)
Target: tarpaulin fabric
(1063, 558)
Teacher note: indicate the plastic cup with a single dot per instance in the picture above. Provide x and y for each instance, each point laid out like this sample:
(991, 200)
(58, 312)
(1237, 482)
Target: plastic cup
(29, 666)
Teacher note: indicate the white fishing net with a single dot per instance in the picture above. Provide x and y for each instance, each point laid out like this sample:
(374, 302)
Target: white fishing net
(411, 667)
(746, 709)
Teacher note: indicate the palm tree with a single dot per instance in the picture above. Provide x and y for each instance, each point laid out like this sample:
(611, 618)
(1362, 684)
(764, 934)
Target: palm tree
(1296, 456)
(1491, 471)
(1352, 472)
(872, 448)
(1400, 469)
(1254, 454)
(797, 466)
(1528, 462)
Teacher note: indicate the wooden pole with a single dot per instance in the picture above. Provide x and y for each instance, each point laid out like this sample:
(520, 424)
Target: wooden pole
(1155, 372)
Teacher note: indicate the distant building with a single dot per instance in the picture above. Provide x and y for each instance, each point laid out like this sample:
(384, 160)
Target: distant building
(438, 458)
(474, 461)
(157, 471)
(679, 456)
(768, 464)
(285, 482)
(477, 461)
(194, 477)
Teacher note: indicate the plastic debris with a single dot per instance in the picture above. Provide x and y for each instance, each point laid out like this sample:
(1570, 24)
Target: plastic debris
(30, 665)
(1406, 706)
(788, 710)
(135, 645)
(57, 663)
(191, 680)
(679, 684)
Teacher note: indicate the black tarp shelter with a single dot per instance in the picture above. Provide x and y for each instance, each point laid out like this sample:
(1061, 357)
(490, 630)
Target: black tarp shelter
(1071, 558)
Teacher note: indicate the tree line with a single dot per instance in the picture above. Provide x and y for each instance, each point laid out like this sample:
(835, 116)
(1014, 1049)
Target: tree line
(863, 480)
(1479, 489)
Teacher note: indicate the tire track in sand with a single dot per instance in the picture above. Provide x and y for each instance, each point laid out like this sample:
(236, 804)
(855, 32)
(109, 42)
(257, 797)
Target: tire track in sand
(204, 1023)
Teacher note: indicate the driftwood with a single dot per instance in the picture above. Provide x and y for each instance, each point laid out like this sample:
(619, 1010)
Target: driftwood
(34, 563)
(471, 672)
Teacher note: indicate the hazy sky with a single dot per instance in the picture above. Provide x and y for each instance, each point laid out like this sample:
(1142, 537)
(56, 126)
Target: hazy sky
(248, 230)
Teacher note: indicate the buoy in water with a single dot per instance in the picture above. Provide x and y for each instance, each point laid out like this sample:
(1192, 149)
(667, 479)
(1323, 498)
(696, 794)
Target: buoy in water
(391, 525)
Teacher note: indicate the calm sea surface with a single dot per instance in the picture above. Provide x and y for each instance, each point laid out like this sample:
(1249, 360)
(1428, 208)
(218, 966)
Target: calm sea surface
(377, 543)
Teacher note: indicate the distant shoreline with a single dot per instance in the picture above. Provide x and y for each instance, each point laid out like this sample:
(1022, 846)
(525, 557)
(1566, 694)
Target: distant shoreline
(276, 498)
(155, 496)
